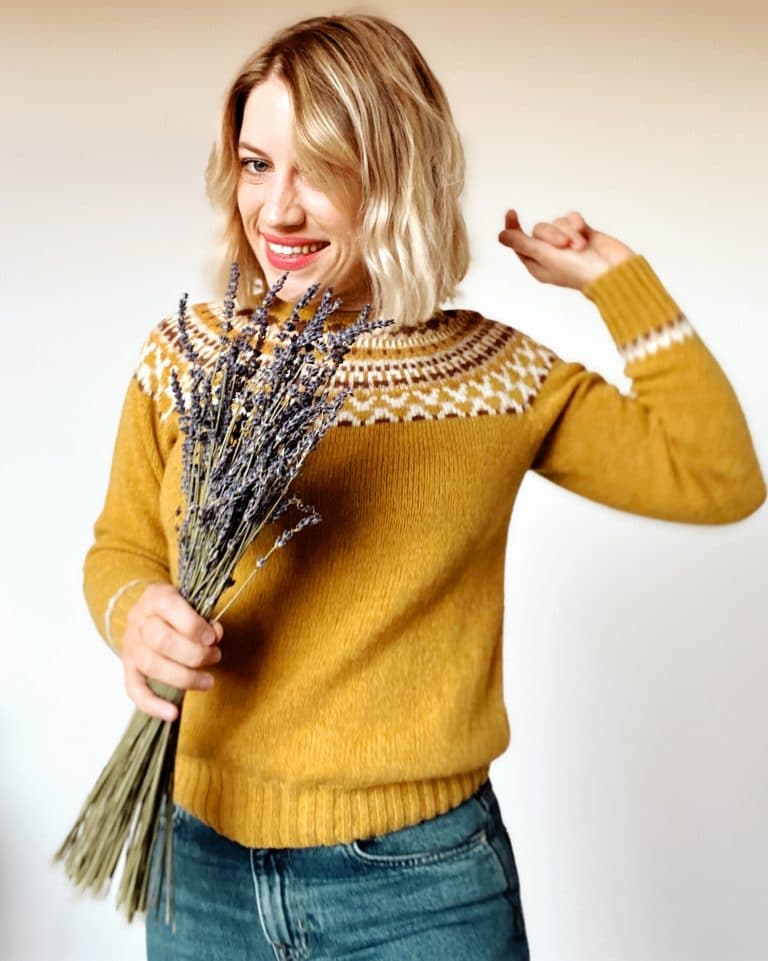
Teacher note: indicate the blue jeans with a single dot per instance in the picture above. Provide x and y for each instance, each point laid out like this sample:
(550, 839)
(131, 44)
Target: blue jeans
(445, 889)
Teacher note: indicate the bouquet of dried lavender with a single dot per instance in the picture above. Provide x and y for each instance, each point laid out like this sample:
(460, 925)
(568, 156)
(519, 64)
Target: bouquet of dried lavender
(248, 424)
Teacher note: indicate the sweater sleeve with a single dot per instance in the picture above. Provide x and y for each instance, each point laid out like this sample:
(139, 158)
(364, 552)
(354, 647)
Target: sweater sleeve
(677, 447)
(129, 549)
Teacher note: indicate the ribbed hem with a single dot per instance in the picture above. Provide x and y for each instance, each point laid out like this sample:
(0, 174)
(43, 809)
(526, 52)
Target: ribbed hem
(274, 814)
(632, 300)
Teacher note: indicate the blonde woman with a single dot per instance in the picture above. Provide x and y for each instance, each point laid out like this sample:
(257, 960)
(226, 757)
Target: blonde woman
(332, 793)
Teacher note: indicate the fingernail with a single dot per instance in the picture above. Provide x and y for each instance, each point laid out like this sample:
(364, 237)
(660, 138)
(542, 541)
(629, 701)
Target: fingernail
(206, 682)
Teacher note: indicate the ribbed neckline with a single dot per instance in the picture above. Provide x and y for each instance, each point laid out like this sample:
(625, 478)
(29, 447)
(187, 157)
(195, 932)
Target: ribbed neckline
(281, 310)
(443, 325)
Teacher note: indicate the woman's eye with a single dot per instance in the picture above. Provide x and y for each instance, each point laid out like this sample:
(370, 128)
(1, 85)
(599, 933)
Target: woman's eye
(253, 172)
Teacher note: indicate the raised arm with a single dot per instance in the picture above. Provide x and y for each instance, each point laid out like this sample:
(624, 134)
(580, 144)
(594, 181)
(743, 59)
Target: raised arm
(678, 446)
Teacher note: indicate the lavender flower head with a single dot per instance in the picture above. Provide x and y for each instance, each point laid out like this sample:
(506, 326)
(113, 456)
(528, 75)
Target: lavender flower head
(249, 423)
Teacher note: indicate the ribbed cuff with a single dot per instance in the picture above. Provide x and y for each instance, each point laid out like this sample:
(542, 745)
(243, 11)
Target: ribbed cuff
(632, 300)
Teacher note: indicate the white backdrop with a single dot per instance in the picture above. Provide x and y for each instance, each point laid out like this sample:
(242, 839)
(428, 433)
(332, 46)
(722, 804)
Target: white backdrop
(636, 785)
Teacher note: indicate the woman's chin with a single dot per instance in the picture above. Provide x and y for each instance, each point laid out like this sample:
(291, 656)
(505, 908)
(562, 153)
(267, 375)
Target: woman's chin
(296, 283)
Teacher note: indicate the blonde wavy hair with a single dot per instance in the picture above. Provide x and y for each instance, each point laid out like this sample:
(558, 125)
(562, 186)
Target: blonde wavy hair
(368, 112)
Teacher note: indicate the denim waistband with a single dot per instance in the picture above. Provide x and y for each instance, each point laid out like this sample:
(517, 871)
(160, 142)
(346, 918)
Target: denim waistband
(463, 816)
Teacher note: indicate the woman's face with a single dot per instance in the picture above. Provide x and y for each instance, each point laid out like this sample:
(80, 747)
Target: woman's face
(279, 206)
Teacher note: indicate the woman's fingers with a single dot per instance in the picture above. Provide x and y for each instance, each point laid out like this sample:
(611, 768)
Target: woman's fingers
(164, 669)
(167, 602)
(574, 227)
(161, 639)
(514, 237)
(147, 663)
(561, 232)
(556, 253)
(168, 641)
(145, 699)
(566, 252)
(577, 220)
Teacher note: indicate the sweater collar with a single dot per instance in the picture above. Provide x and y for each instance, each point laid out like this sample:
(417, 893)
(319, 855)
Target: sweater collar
(443, 327)
(281, 310)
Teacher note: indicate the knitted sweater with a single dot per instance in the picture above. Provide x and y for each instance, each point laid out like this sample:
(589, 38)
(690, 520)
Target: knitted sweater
(360, 688)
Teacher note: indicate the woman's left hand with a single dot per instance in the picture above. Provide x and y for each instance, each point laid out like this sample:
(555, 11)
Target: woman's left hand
(566, 252)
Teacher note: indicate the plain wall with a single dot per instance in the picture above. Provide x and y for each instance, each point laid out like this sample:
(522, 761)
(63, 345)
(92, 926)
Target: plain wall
(635, 786)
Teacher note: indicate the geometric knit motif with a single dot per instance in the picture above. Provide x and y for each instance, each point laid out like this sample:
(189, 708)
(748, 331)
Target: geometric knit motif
(457, 364)
(660, 338)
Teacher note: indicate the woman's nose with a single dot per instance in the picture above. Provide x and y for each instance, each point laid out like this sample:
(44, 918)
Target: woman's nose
(282, 203)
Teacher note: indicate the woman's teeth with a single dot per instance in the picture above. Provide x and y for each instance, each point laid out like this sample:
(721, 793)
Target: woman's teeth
(294, 250)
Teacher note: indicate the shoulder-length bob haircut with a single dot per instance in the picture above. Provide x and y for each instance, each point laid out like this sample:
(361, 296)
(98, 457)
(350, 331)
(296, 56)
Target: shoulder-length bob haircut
(369, 113)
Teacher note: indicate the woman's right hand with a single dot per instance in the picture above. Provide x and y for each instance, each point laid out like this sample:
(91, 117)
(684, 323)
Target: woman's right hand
(167, 640)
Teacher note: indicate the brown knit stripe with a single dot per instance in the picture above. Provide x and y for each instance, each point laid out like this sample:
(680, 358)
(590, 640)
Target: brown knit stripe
(659, 338)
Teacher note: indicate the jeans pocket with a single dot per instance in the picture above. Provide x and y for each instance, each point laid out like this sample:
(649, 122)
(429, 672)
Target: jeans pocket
(444, 837)
(498, 838)
(500, 844)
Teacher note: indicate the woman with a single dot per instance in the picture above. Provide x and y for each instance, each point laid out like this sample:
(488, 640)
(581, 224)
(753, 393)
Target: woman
(332, 790)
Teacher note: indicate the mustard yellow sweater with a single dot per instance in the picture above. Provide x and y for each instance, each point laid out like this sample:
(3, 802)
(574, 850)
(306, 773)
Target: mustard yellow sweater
(360, 688)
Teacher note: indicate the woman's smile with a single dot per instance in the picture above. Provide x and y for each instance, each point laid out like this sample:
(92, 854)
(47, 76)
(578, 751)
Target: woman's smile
(292, 253)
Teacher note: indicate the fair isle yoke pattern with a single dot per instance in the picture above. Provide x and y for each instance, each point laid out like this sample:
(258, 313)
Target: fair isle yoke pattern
(458, 364)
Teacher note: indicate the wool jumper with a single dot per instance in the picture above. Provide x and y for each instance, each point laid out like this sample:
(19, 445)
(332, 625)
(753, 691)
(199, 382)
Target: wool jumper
(360, 688)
